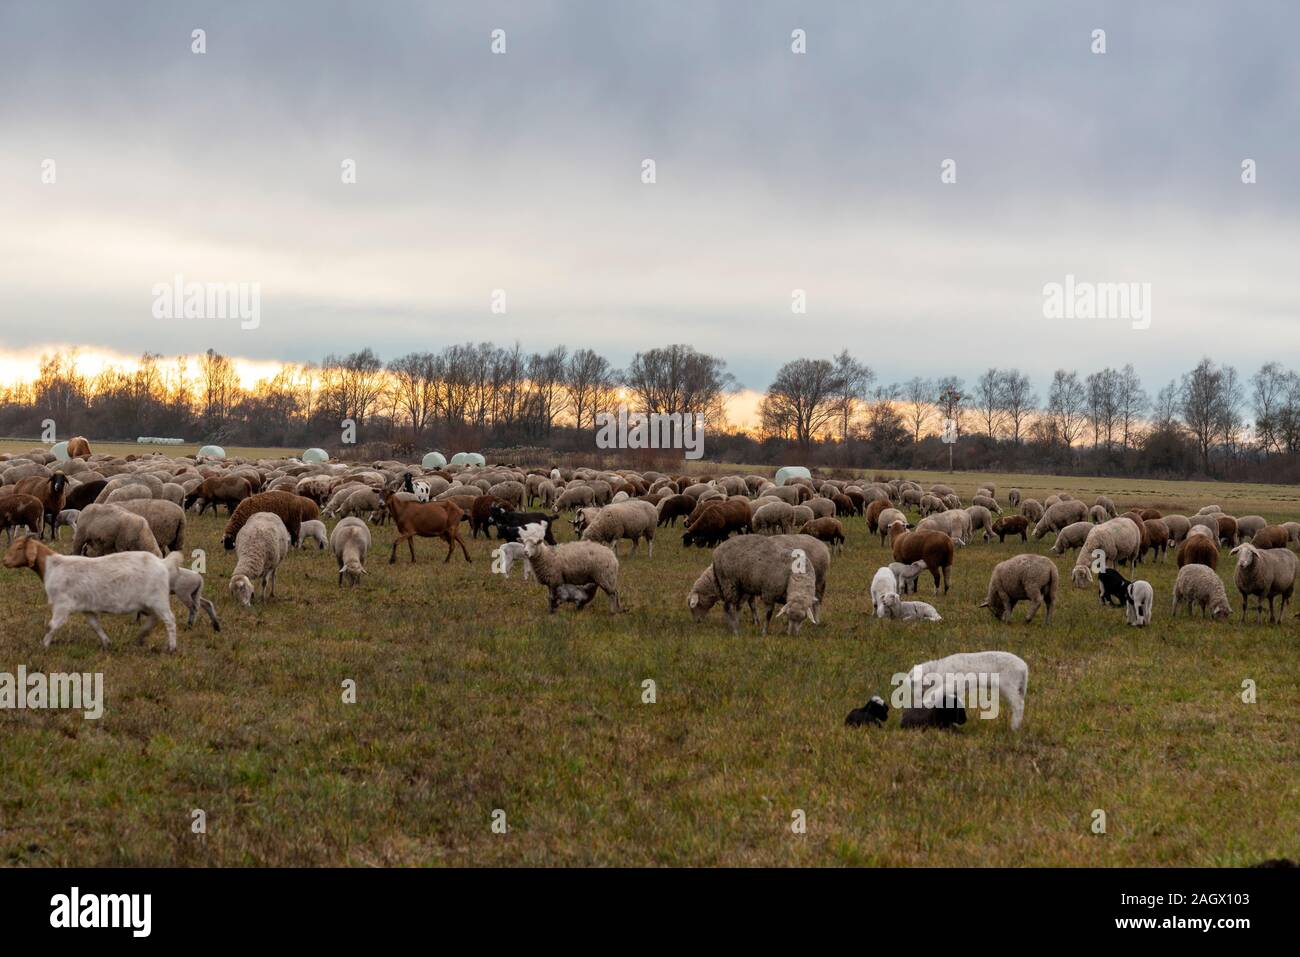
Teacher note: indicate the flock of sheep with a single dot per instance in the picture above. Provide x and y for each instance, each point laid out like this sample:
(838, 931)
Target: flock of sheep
(770, 544)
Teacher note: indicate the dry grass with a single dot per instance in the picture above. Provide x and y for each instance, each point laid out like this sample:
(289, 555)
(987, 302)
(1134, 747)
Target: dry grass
(470, 698)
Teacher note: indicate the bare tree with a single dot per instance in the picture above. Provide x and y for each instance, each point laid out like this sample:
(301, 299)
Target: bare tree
(1066, 402)
(676, 378)
(587, 376)
(989, 401)
(853, 380)
(918, 394)
(1019, 401)
(802, 400)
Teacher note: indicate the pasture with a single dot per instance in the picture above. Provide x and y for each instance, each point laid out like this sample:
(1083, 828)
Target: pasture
(470, 698)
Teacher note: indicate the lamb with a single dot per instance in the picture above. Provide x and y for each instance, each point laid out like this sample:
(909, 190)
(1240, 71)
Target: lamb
(67, 519)
(509, 523)
(761, 566)
(800, 594)
(1137, 609)
(1112, 585)
(1199, 585)
(350, 542)
(1013, 497)
(633, 520)
(1117, 539)
(166, 521)
(260, 546)
(935, 548)
(506, 554)
(874, 712)
(1072, 536)
(106, 529)
(187, 585)
(1011, 525)
(883, 585)
(896, 608)
(1264, 573)
(1031, 509)
(25, 510)
(287, 506)
(312, 530)
(573, 563)
(579, 596)
(1026, 577)
(119, 584)
(1006, 671)
(905, 575)
(775, 517)
(828, 530)
(1060, 515)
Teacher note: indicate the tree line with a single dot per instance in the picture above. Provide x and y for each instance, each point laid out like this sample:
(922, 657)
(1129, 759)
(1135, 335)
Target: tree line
(1210, 421)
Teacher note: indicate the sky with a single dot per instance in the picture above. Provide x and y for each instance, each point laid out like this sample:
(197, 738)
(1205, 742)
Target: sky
(774, 172)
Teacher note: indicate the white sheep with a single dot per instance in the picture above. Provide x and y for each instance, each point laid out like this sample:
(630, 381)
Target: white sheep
(123, 583)
(314, 530)
(633, 520)
(506, 554)
(1118, 539)
(1024, 577)
(1008, 672)
(350, 542)
(1200, 585)
(774, 517)
(260, 546)
(1265, 573)
(1138, 607)
(884, 583)
(572, 563)
(895, 607)
(187, 585)
(905, 575)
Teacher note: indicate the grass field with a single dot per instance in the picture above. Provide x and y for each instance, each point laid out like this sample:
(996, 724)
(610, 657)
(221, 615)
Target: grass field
(471, 699)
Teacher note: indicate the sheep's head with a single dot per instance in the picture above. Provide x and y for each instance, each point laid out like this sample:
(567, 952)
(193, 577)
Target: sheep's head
(1246, 555)
(1221, 609)
(242, 589)
(532, 536)
(797, 613)
(874, 712)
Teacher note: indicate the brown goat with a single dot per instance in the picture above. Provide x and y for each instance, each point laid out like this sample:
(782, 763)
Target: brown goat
(20, 509)
(426, 519)
(51, 491)
(228, 490)
(1198, 550)
(78, 447)
(932, 547)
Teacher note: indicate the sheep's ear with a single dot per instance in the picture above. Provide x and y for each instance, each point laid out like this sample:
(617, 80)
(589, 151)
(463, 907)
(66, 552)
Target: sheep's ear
(694, 600)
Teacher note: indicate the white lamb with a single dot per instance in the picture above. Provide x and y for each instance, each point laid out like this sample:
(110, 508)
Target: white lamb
(119, 584)
(1141, 598)
(882, 584)
(506, 554)
(905, 575)
(313, 530)
(901, 610)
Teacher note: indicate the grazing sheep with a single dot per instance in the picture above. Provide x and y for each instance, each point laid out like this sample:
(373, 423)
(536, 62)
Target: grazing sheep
(1098, 514)
(906, 575)
(260, 546)
(633, 520)
(187, 585)
(717, 521)
(1158, 536)
(755, 566)
(507, 553)
(1026, 577)
(1113, 588)
(312, 530)
(1137, 609)
(1209, 510)
(674, 507)
(821, 507)
(1011, 525)
(774, 517)
(828, 530)
(1118, 539)
(1249, 525)
(107, 529)
(955, 523)
(1104, 502)
(1264, 573)
(887, 518)
(1198, 550)
(1060, 515)
(988, 502)
(227, 490)
(1227, 530)
(981, 520)
(134, 492)
(287, 506)
(120, 584)
(896, 608)
(25, 510)
(1178, 526)
(935, 548)
(166, 521)
(1008, 671)
(350, 543)
(1270, 536)
(945, 713)
(883, 585)
(573, 563)
(800, 598)
(1292, 532)
(1072, 536)
(1200, 585)
(1013, 497)
(84, 494)
(1031, 509)
(575, 496)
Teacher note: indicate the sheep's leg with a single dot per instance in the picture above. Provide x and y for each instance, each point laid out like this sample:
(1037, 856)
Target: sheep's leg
(650, 547)
(94, 623)
(947, 572)
(57, 620)
(211, 610)
(146, 627)
(169, 624)
(1017, 703)
(1271, 619)
(1035, 600)
(614, 605)
(729, 610)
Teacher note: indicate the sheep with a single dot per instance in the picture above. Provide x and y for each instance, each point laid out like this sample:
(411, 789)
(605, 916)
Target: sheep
(1264, 573)
(717, 521)
(67, 518)
(506, 554)
(1008, 673)
(1158, 536)
(1058, 516)
(166, 521)
(704, 595)
(955, 523)
(350, 541)
(1292, 532)
(426, 519)
(575, 496)
(579, 596)
(800, 595)
(25, 510)
(1031, 509)
(1138, 606)
(1104, 502)
(1026, 577)
(828, 530)
(883, 584)
(930, 505)
(84, 494)
(1227, 530)
(133, 492)
(1270, 536)
(1072, 536)
(261, 544)
(887, 518)
(51, 491)
(632, 520)
(1098, 514)
(775, 517)
(312, 530)
(896, 608)
(1209, 510)
(287, 506)
(227, 490)
(1119, 541)
(935, 548)
(1011, 525)
(573, 563)
(988, 502)
(119, 584)
(187, 585)
(801, 515)
(674, 507)
(821, 507)
(1178, 526)
(1198, 550)
(1200, 585)
(1208, 522)
(105, 529)
(1013, 497)
(1248, 525)
(981, 520)
(905, 575)
(480, 513)
(761, 566)
(509, 523)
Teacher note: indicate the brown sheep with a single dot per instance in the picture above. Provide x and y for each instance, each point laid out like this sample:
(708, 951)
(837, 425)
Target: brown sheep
(828, 530)
(52, 493)
(718, 520)
(480, 514)
(287, 505)
(21, 509)
(1158, 535)
(1150, 514)
(1198, 550)
(1144, 537)
(1270, 536)
(674, 507)
(426, 519)
(934, 548)
(1011, 525)
(1228, 531)
(843, 504)
(227, 490)
(873, 513)
(78, 448)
